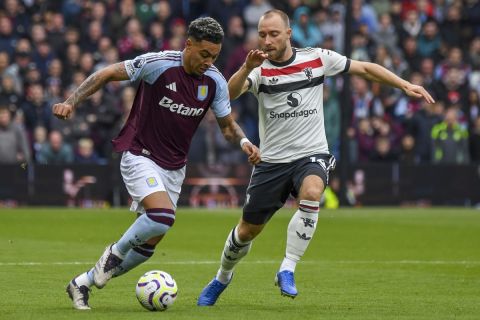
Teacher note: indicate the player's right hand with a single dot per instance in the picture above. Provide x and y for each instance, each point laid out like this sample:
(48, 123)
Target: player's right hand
(252, 151)
(255, 58)
(63, 110)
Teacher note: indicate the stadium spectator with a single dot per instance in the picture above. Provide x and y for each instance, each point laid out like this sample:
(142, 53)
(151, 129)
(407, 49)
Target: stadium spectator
(7, 38)
(4, 62)
(23, 57)
(252, 13)
(475, 141)
(145, 10)
(16, 14)
(234, 38)
(92, 37)
(450, 140)
(8, 93)
(163, 15)
(419, 125)
(37, 111)
(14, 146)
(238, 54)
(474, 53)
(40, 135)
(331, 113)
(224, 10)
(451, 28)
(155, 141)
(410, 49)
(86, 154)
(305, 33)
(412, 26)
(55, 151)
(473, 106)
(295, 155)
(429, 40)
(156, 36)
(407, 154)
(382, 151)
(331, 25)
(386, 34)
(365, 137)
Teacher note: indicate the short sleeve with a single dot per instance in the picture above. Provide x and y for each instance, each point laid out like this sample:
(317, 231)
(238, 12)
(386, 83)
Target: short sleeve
(254, 80)
(142, 67)
(221, 102)
(333, 62)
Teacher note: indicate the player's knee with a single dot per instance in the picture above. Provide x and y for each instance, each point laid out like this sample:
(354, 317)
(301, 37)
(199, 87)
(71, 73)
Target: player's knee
(313, 193)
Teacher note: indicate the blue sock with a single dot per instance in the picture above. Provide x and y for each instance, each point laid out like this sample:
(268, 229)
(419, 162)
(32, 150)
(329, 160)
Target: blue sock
(153, 223)
(135, 257)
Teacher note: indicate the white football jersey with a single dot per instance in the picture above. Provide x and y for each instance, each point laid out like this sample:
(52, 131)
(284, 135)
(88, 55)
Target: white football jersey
(290, 99)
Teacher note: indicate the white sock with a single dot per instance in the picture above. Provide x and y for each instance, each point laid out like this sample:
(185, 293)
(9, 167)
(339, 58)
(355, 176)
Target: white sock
(232, 253)
(299, 233)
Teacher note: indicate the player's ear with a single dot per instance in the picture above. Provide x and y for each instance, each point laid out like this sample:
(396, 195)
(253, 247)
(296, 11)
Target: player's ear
(188, 43)
(289, 33)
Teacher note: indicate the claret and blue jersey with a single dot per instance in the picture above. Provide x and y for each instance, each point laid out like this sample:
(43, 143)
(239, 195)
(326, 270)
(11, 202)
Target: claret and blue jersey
(168, 107)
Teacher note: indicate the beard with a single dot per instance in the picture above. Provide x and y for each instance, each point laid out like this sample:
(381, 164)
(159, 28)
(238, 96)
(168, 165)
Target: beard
(277, 54)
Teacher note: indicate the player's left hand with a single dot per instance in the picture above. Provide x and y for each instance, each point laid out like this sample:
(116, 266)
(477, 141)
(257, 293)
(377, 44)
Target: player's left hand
(416, 91)
(252, 151)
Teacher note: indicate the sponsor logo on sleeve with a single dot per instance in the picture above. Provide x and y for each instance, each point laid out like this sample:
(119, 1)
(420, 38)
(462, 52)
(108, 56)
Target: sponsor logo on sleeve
(139, 62)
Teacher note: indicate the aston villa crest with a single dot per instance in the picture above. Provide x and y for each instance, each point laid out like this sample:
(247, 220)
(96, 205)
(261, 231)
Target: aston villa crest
(202, 92)
(309, 73)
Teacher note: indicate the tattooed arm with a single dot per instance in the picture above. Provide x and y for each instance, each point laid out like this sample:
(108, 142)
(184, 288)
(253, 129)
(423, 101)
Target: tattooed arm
(114, 72)
(234, 134)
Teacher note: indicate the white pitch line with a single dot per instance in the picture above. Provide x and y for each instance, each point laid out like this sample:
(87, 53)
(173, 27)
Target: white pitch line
(198, 262)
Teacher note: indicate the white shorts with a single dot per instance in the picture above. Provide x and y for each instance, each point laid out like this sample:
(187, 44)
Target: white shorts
(143, 177)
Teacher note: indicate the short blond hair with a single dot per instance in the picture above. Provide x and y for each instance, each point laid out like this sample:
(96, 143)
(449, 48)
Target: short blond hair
(282, 15)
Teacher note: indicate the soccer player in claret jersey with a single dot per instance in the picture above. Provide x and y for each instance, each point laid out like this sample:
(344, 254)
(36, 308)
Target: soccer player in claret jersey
(176, 90)
(288, 83)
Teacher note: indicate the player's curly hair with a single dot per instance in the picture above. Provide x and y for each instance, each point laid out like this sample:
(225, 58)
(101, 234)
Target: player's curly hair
(207, 29)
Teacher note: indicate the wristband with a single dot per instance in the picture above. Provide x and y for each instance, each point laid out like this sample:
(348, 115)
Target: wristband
(243, 141)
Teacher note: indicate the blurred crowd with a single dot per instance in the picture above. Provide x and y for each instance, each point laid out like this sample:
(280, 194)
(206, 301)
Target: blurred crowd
(47, 48)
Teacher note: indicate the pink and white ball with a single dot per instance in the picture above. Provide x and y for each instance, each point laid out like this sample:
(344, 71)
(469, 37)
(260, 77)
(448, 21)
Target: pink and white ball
(156, 290)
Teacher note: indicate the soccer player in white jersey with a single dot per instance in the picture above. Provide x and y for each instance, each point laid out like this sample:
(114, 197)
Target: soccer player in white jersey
(175, 92)
(288, 83)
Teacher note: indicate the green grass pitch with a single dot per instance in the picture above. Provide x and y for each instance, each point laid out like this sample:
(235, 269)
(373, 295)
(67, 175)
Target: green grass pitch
(362, 264)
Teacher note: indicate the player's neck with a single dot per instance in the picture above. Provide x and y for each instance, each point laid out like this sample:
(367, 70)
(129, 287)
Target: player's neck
(287, 57)
(185, 66)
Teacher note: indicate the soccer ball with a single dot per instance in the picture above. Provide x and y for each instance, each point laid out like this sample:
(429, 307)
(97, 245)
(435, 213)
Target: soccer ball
(156, 290)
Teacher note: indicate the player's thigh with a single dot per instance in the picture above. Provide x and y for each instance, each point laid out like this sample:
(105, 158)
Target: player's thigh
(311, 176)
(149, 185)
(269, 188)
(157, 200)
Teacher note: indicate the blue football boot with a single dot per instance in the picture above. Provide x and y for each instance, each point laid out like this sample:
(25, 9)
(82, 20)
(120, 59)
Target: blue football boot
(286, 282)
(211, 292)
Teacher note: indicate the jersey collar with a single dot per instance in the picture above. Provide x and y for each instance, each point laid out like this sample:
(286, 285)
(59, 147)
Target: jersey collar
(286, 62)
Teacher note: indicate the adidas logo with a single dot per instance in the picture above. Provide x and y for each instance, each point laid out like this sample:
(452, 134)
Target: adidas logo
(273, 80)
(172, 86)
(303, 236)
